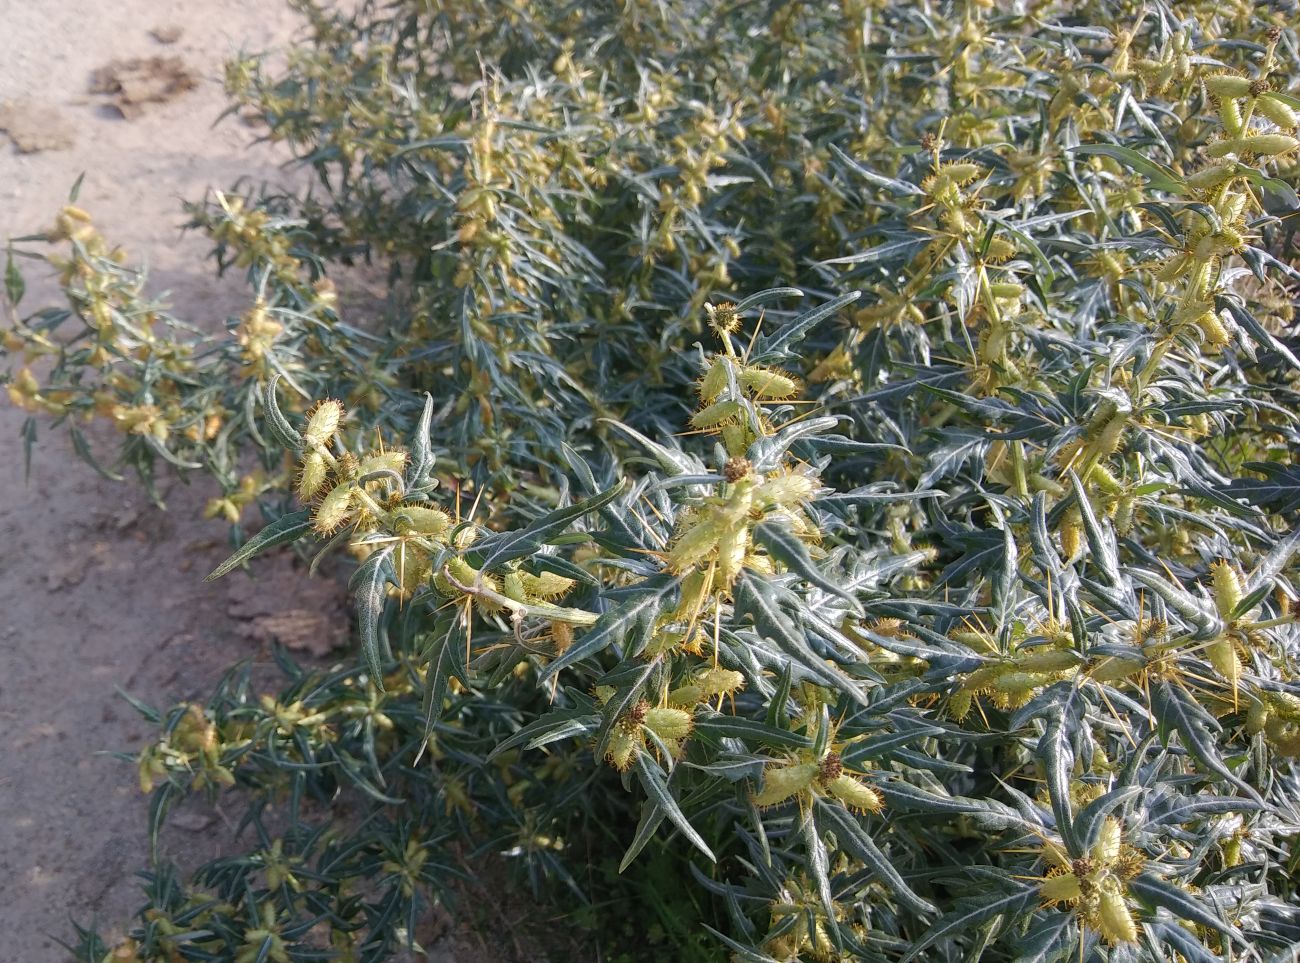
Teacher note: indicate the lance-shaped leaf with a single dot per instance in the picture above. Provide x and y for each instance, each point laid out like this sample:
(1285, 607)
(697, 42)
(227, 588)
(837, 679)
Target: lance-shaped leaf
(1101, 543)
(285, 529)
(552, 727)
(778, 344)
(755, 598)
(1161, 177)
(1176, 711)
(656, 787)
(857, 842)
(444, 660)
(1010, 905)
(636, 609)
(786, 547)
(283, 432)
(367, 584)
(1048, 939)
(1199, 612)
(503, 547)
(652, 816)
(422, 457)
(764, 296)
(1057, 756)
(1154, 891)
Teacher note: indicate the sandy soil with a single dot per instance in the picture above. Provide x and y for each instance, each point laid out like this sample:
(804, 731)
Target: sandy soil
(97, 588)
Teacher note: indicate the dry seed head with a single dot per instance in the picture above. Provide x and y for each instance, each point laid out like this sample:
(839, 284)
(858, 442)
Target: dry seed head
(831, 767)
(635, 716)
(322, 422)
(736, 468)
(346, 465)
(723, 317)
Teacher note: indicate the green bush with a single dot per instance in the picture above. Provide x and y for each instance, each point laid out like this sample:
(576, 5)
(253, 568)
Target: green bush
(822, 479)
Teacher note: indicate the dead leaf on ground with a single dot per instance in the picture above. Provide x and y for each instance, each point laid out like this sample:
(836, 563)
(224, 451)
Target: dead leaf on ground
(130, 84)
(282, 604)
(35, 126)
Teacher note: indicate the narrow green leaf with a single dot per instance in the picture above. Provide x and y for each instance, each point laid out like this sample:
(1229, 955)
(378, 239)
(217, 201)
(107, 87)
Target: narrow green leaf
(507, 546)
(368, 584)
(783, 545)
(857, 842)
(1176, 711)
(615, 624)
(763, 297)
(1155, 891)
(279, 426)
(656, 787)
(792, 332)
(285, 529)
(652, 816)
(15, 286)
(1161, 177)
(1011, 905)
(422, 458)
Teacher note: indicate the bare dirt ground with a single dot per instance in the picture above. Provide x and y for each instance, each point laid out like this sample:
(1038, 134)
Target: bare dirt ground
(98, 589)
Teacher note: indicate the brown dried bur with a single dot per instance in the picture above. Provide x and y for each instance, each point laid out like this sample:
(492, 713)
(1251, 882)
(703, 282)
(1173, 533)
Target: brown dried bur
(142, 80)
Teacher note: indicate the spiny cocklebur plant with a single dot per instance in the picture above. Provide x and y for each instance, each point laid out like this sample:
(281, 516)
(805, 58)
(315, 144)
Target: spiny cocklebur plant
(951, 618)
